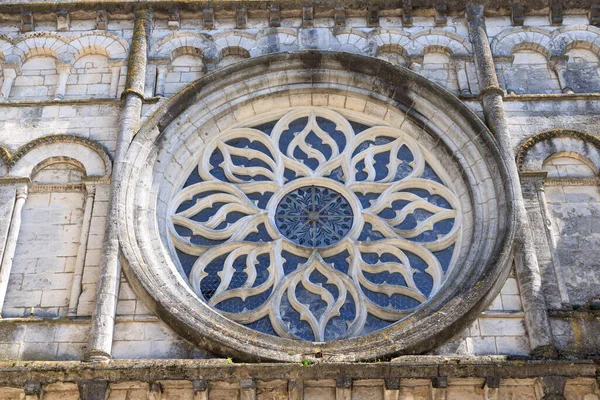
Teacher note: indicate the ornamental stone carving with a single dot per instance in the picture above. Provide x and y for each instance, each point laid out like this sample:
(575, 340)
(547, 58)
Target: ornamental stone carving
(274, 210)
(315, 227)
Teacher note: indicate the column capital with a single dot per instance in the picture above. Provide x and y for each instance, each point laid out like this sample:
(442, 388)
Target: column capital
(9, 71)
(63, 67)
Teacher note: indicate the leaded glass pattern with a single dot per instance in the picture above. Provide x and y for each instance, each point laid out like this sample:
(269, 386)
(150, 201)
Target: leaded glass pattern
(316, 227)
(314, 216)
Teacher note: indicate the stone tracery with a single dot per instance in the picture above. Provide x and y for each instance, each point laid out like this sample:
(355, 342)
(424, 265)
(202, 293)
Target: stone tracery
(386, 253)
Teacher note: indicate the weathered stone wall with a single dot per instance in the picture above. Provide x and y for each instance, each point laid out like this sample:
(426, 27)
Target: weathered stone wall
(58, 80)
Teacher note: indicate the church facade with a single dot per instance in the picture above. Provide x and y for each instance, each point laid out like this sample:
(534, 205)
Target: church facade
(299, 200)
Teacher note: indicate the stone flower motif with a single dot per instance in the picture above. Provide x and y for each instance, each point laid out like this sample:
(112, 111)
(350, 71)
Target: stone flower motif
(315, 227)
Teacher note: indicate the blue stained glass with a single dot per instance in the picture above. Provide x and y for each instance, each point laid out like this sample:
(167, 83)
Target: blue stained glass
(444, 257)
(314, 216)
(186, 260)
(263, 325)
(267, 128)
(374, 324)
(311, 220)
(291, 317)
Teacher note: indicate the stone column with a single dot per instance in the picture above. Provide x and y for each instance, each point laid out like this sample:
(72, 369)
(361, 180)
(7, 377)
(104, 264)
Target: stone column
(81, 250)
(103, 318)
(11, 243)
(490, 388)
(461, 76)
(150, 81)
(560, 67)
(160, 80)
(547, 218)
(64, 69)
(9, 78)
(528, 271)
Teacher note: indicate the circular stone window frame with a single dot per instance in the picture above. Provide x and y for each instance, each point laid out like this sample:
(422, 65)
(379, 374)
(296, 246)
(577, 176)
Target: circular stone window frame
(243, 90)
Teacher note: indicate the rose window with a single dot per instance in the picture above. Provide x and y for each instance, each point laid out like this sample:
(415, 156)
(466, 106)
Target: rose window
(314, 226)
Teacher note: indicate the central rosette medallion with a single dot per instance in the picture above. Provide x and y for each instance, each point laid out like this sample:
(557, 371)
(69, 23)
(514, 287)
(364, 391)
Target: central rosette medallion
(314, 216)
(314, 225)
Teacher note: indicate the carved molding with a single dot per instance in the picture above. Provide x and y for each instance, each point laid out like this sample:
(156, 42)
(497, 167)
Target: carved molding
(549, 135)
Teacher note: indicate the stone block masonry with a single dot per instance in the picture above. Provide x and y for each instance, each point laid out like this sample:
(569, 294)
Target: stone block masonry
(64, 71)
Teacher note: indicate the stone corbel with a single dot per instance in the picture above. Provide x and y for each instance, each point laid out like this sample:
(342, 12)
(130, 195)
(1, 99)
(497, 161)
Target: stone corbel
(307, 17)
(209, 18)
(63, 20)
(33, 391)
(174, 19)
(64, 70)
(101, 20)
(560, 67)
(441, 9)
(339, 16)
(241, 18)
(26, 21)
(556, 12)
(274, 17)
(595, 15)
(373, 16)
(407, 14)
(517, 15)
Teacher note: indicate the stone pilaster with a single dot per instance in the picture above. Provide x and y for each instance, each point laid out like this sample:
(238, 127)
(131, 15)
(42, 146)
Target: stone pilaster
(343, 387)
(528, 271)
